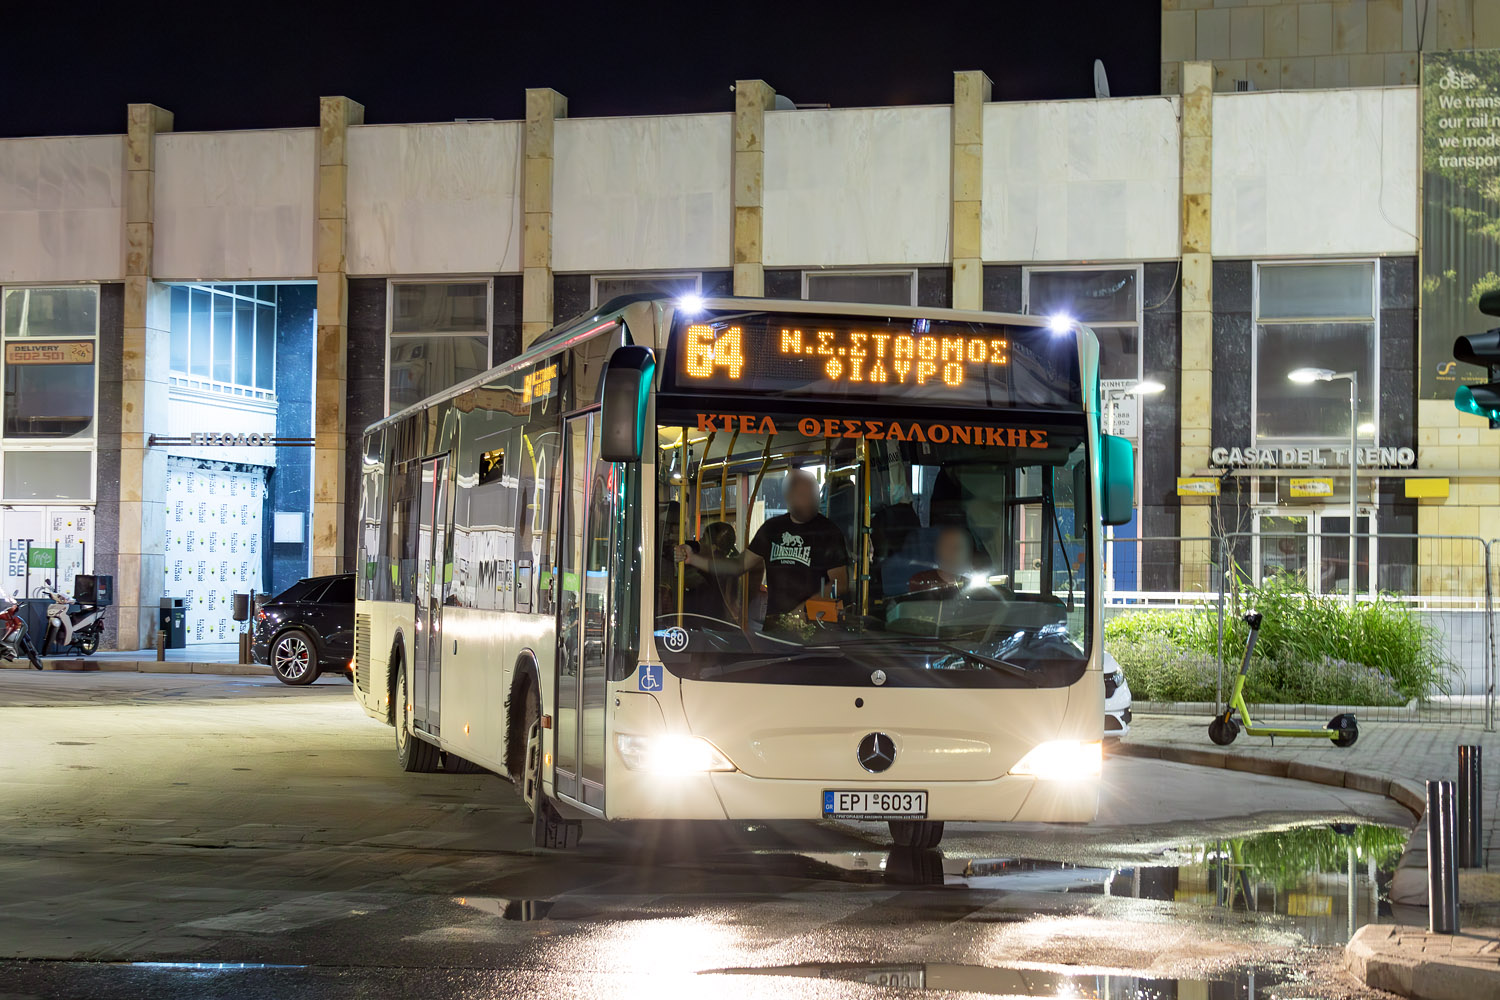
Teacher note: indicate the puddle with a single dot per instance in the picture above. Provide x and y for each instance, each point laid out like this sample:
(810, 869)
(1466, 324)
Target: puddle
(210, 966)
(509, 909)
(1325, 881)
(1011, 982)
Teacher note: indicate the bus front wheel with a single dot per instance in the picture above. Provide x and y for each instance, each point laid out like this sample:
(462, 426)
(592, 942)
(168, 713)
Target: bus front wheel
(548, 827)
(412, 753)
(921, 833)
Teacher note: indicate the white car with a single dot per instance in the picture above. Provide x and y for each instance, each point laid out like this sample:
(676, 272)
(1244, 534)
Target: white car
(1116, 698)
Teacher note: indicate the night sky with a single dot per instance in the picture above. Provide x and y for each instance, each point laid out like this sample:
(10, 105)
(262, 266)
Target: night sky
(67, 69)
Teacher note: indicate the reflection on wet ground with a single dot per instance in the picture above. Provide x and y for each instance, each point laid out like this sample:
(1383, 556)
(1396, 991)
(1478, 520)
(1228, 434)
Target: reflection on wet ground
(1025, 982)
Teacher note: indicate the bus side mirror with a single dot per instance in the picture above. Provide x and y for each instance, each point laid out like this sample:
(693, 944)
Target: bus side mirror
(622, 420)
(1117, 480)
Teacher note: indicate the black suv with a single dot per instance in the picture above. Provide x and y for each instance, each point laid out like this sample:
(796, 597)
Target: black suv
(307, 629)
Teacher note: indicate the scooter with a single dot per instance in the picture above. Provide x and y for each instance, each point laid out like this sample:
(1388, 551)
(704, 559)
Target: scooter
(13, 639)
(80, 630)
(1342, 729)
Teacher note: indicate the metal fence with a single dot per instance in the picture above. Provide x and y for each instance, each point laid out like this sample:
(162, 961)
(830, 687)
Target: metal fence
(1319, 665)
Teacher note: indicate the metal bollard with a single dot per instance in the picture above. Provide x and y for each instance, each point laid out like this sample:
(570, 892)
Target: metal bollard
(1470, 808)
(161, 646)
(1442, 870)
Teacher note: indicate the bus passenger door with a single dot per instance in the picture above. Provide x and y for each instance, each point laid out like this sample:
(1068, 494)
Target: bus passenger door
(583, 615)
(432, 589)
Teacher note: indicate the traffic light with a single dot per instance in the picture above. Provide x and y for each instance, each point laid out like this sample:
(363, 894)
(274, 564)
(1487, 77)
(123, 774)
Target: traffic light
(1481, 349)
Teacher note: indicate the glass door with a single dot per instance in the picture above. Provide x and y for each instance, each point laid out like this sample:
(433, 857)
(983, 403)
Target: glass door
(434, 574)
(583, 613)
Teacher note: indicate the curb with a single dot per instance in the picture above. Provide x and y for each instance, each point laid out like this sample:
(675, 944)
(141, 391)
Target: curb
(145, 667)
(1370, 958)
(1423, 979)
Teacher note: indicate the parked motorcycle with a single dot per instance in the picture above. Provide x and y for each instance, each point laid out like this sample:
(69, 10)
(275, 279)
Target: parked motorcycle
(14, 641)
(79, 631)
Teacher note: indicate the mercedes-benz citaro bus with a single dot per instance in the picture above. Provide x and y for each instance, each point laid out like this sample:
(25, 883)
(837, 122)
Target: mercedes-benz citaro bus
(751, 559)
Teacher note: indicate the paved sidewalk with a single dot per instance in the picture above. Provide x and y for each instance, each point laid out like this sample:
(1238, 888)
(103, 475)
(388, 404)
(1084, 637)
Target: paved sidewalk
(1394, 759)
(203, 658)
(1414, 963)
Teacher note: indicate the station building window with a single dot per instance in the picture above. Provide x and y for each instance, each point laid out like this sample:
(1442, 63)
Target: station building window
(608, 286)
(224, 339)
(1320, 314)
(1108, 301)
(886, 288)
(50, 426)
(439, 335)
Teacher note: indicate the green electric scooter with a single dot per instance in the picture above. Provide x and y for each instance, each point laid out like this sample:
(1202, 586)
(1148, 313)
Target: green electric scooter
(1342, 729)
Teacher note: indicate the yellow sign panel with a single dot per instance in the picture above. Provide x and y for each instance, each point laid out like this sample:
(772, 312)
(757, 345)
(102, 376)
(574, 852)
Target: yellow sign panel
(1423, 488)
(51, 352)
(1299, 904)
(1311, 487)
(1198, 486)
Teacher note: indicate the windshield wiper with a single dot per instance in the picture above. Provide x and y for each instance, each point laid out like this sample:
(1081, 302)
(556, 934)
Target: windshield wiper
(993, 662)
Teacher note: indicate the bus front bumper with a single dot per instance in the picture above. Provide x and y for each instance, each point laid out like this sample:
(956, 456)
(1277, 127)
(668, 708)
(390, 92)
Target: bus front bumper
(734, 795)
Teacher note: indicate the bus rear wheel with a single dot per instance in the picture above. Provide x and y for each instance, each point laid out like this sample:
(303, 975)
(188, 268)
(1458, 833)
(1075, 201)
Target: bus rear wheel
(923, 833)
(412, 754)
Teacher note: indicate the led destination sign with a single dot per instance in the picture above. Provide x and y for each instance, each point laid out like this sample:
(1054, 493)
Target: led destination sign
(850, 356)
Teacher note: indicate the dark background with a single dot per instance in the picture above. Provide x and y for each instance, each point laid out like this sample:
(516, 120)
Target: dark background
(72, 68)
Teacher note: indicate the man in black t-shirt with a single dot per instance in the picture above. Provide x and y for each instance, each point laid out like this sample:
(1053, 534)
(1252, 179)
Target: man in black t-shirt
(799, 551)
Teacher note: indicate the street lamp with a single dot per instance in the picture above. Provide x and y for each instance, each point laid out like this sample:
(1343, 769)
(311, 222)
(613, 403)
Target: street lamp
(1308, 375)
(1145, 387)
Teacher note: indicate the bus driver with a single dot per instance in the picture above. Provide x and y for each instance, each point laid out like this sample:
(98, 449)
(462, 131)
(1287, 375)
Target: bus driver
(799, 550)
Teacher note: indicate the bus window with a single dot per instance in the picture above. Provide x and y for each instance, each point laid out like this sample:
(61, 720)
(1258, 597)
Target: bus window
(911, 548)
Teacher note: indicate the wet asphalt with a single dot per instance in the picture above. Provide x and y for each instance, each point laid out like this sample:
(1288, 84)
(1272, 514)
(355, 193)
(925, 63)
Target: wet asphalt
(185, 836)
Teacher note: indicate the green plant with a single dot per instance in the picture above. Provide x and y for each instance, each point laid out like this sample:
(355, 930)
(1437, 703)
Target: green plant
(1312, 648)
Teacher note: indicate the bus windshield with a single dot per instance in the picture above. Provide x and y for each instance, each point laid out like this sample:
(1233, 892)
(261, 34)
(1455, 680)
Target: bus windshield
(813, 549)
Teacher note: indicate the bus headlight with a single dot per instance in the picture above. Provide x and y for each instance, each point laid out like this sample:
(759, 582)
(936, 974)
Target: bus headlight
(1063, 760)
(668, 754)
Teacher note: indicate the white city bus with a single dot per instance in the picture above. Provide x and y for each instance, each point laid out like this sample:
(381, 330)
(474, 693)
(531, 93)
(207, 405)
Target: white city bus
(553, 582)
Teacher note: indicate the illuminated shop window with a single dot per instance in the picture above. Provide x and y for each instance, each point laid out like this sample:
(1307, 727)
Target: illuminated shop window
(439, 336)
(50, 379)
(224, 339)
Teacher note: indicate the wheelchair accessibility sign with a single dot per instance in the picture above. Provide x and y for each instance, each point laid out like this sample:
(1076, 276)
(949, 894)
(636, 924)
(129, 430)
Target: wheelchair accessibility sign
(649, 677)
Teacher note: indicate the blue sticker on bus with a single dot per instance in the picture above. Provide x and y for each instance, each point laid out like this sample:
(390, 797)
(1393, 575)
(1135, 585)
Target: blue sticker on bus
(650, 677)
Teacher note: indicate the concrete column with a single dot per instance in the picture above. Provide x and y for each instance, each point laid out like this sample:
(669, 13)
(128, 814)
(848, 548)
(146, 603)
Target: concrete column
(143, 395)
(752, 99)
(971, 89)
(335, 115)
(1197, 285)
(543, 108)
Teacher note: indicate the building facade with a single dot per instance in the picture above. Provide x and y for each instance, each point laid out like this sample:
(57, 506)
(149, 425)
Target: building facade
(197, 326)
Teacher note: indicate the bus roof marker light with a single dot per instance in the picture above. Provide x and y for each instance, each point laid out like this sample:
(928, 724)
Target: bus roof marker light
(1059, 322)
(691, 303)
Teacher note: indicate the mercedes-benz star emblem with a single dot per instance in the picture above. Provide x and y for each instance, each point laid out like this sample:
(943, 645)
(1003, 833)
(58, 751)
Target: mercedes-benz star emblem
(877, 678)
(876, 752)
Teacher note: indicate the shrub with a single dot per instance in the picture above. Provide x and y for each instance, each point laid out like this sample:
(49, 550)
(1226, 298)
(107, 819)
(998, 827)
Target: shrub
(1312, 648)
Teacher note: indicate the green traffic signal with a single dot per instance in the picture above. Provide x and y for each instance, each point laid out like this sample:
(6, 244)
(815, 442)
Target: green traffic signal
(1482, 401)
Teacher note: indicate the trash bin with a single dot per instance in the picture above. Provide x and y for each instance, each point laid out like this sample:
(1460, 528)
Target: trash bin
(33, 611)
(174, 622)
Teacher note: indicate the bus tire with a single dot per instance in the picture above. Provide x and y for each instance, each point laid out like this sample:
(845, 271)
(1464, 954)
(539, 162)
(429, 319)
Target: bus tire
(412, 752)
(454, 764)
(923, 833)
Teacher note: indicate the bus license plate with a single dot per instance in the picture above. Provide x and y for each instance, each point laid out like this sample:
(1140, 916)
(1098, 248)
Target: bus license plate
(874, 805)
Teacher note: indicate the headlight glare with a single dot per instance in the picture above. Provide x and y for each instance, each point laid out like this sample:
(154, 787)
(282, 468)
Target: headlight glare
(669, 754)
(1063, 760)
